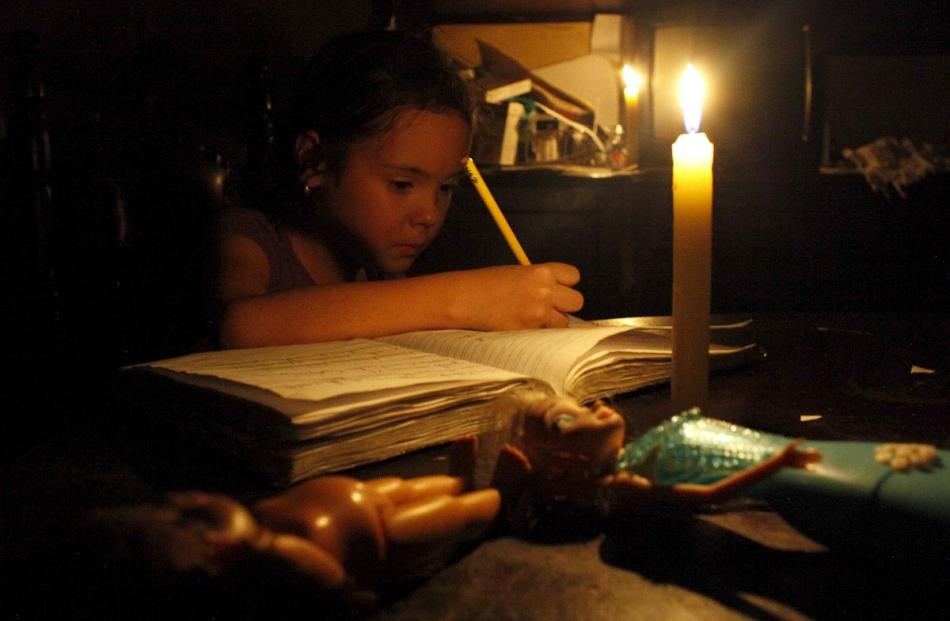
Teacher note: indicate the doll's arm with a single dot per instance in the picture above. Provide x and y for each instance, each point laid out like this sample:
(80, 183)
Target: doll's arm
(789, 457)
(463, 459)
(511, 473)
(629, 492)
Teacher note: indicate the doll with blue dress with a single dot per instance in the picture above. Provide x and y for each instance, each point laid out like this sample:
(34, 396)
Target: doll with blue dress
(564, 456)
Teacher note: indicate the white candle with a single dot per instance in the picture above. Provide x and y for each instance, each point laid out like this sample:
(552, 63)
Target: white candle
(692, 252)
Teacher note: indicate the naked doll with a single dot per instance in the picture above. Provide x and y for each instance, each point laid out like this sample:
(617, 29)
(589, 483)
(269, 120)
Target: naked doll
(332, 545)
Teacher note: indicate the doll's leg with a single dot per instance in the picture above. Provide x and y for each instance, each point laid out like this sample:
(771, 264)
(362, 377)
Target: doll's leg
(426, 518)
(402, 491)
(425, 534)
(433, 518)
(432, 507)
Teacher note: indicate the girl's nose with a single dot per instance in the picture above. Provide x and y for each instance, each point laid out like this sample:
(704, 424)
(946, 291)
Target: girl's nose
(426, 218)
(426, 214)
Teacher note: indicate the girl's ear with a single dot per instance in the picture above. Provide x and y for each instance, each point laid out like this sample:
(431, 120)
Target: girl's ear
(305, 150)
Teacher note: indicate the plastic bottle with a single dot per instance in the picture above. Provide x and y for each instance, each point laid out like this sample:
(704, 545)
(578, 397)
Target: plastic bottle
(617, 154)
(545, 139)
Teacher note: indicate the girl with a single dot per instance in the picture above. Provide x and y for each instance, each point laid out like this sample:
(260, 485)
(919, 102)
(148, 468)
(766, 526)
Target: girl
(377, 142)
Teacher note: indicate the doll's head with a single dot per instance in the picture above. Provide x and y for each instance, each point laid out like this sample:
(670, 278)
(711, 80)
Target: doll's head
(560, 436)
(552, 474)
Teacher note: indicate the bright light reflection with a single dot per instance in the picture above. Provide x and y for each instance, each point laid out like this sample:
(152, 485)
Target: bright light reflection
(632, 81)
(692, 90)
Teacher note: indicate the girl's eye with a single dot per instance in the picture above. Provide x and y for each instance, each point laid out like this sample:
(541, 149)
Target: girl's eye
(448, 188)
(399, 184)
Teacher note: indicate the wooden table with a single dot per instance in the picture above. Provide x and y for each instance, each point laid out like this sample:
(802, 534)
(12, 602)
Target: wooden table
(824, 377)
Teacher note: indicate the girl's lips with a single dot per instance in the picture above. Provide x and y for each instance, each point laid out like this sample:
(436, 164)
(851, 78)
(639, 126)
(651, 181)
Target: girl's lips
(408, 248)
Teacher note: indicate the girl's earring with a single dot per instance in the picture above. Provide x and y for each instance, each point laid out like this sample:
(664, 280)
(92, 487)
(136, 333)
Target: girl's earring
(310, 181)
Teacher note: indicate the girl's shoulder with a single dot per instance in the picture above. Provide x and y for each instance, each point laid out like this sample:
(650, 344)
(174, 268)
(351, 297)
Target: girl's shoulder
(262, 228)
(273, 236)
(246, 221)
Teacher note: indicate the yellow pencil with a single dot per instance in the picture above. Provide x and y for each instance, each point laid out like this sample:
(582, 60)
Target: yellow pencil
(476, 178)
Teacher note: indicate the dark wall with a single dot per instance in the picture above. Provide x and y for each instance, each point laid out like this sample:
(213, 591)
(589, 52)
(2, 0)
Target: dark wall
(97, 57)
(100, 34)
(784, 240)
(119, 124)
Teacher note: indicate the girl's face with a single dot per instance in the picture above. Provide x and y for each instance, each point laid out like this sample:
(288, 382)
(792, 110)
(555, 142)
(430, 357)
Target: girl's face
(395, 187)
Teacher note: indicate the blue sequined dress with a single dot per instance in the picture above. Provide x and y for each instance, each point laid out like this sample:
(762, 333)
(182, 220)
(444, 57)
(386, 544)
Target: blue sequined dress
(847, 496)
(691, 448)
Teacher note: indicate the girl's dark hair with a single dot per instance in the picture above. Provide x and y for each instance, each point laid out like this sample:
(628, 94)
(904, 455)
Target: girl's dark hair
(357, 84)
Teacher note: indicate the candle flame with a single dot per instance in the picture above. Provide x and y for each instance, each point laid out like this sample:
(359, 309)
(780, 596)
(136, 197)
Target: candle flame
(632, 81)
(691, 98)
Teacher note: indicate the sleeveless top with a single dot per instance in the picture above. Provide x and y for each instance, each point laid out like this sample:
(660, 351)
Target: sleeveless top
(286, 271)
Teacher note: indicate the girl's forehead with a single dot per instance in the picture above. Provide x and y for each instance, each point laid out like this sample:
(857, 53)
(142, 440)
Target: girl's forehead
(415, 124)
(420, 139)
(408, 115)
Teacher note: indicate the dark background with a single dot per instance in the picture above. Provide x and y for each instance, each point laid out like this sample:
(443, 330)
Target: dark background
(125, 125)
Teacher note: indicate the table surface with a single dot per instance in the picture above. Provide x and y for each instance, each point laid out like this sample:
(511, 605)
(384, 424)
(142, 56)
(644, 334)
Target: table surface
(849, 376)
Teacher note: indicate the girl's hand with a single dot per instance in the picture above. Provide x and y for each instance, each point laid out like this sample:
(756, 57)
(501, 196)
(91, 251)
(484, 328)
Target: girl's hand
(519, 296)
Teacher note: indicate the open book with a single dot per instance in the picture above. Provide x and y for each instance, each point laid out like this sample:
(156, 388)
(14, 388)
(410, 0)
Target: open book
(295, 411)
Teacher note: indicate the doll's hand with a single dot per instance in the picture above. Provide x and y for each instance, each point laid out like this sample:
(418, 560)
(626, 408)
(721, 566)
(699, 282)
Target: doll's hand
(520, 297)
(794, 457)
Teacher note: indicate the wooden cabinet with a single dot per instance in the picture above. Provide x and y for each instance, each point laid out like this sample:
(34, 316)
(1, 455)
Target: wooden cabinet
(602, 222)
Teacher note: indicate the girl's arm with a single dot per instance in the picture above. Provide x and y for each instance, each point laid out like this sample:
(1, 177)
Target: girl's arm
(495, 298)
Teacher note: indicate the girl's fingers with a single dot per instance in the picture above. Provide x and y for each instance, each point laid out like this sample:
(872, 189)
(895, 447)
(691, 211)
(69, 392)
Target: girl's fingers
(565, 274)
(556, 319)
(567, 300)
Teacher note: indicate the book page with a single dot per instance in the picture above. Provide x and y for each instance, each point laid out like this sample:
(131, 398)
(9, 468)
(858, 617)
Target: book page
(638, 358)
(547, 354)
(323, 371)
(661, 322)
(584, 362)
